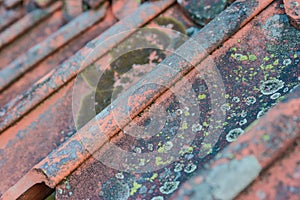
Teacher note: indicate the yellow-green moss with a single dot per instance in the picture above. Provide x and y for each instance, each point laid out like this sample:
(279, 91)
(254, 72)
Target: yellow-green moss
(201, 96)
(165, 21)
(135, 187)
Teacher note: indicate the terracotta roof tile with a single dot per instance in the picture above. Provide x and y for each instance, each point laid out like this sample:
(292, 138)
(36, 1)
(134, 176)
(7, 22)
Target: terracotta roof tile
(121, 8)
(73, 9)
(241, 162)
(40, 51)
(12, 3)
(44, 88)
(247, 61)
(280, 181)
(10, 16)
(38, 126)
(100, 184)
(51, 62)
(26, 23)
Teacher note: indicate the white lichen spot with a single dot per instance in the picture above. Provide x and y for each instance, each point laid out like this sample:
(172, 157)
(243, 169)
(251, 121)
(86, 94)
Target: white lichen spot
(168, 145)
(169, 187)
(196, 127)
(189, 156)
(271, 86)
(178, 112)
(59, 190)
(243, 122)
(178, 167)
(190, 168)
(158, 198)
(260, 114)
(120, 175)
(250, 100)
(233, 114)
(286, 90)
(236, 99)
(287, 61)
(225, 107)
(243, 114)
(186, 111)
(138, 150)
(150, 147)
(275, 96)
(68, 186)
(234, 134)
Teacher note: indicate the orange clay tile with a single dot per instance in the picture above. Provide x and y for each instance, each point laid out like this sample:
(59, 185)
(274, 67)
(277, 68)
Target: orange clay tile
(52, 61)
(72, 9)
(54, 176)
(10, 16)
(38, 126)
(26, 23)
(69, 68)
(280, 181)
(19, 106)
(50, 119)
(30, 38)
(122, 8)
(241, 162)
(40, 51)
(34, 129)
(90, 176)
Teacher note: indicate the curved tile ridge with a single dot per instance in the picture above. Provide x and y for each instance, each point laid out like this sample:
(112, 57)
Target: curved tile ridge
(26, 23)
(40, 51)
(67, 70)
(55, 167)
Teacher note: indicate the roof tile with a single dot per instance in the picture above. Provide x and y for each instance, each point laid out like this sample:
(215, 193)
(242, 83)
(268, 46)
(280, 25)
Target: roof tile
(37, 118)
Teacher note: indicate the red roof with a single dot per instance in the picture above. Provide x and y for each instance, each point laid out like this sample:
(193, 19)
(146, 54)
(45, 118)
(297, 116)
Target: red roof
(214, 117)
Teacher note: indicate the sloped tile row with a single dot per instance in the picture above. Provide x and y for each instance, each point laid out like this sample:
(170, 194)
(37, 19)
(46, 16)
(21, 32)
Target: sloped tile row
(234, 28)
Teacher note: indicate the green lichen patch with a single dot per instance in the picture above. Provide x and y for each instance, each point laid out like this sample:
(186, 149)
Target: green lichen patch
(240, 57)
(252, 57)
